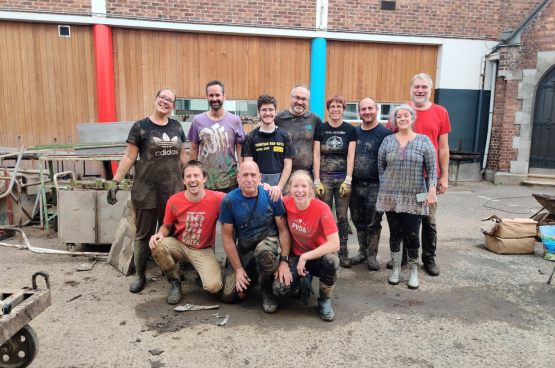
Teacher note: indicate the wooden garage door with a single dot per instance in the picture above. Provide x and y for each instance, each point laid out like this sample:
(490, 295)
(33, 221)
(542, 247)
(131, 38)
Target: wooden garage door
(146, 61)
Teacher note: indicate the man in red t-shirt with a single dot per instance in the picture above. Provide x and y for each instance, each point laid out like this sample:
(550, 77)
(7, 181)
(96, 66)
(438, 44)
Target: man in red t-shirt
(194, 214)
(431, 120)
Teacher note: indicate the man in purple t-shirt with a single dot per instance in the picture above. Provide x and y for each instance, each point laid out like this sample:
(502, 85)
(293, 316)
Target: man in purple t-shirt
(216, 138)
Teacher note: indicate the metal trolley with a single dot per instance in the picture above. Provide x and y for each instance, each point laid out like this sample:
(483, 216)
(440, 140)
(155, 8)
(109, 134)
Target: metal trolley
(19, 343)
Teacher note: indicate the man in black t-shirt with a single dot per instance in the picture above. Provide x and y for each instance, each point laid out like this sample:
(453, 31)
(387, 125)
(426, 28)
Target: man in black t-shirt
(301, 125)
(269, 146)
(366, 184)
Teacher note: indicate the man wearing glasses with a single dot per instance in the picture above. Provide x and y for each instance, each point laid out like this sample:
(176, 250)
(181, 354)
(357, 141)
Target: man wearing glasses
(269, 146)
(300, 124)
(216, 137)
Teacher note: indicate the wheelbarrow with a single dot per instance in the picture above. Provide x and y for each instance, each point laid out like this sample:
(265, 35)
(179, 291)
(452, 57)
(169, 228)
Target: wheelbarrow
(19, 343)
(548, 203)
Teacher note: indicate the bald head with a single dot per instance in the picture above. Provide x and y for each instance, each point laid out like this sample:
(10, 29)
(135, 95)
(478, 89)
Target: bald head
(249, 178)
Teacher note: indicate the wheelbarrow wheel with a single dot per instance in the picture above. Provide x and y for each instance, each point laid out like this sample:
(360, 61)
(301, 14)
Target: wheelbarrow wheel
(20, 350)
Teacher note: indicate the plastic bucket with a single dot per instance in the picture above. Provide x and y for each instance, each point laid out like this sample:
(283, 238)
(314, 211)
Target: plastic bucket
(547, 234)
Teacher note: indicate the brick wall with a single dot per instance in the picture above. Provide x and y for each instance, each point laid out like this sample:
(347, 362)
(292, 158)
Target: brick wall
(50, 5)
(537, 36)
(478, 18)
(481, 18)
(285, 13)
(514, 12)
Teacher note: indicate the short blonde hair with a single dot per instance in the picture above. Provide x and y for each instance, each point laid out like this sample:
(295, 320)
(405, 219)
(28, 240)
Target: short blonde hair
(308, 178)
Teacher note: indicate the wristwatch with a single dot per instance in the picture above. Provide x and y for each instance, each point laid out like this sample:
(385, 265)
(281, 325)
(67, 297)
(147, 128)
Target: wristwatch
(284, 258)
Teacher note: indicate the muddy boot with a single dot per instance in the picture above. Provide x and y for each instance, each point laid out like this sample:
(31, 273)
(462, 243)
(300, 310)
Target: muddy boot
(413, 273)
(403, 262)
(324, 303)
(362, 243)
(141, 252)
(174, 296)
(269, 303)
(344, 260)
(396, 275)
(372, 251)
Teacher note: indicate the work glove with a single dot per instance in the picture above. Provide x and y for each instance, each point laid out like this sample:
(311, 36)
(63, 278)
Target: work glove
(346, 186)
(306, 288)
(318, 188)
(112, 191)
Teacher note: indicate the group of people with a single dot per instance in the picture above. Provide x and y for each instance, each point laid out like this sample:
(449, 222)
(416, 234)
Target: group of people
(263, 187)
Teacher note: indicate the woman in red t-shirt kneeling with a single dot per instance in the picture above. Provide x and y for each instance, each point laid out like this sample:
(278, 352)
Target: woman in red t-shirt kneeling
(314, 246)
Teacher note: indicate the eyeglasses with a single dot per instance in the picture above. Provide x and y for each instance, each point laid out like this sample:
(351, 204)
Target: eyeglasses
(168, 100)
(303, 99)
(338, 107)
(267, 110)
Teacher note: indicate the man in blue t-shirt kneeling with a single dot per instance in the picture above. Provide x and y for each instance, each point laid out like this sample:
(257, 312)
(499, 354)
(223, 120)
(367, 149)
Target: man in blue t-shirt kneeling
(263, 238)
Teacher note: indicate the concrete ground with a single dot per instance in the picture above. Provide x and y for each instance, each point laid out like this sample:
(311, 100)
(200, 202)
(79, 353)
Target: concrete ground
(483, 310)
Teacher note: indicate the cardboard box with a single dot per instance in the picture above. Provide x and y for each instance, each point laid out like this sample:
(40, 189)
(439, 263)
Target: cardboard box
(510, 246)
(509, 229)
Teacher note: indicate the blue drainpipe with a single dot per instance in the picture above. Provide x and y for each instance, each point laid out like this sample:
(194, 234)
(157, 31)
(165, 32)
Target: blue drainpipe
(318, 76)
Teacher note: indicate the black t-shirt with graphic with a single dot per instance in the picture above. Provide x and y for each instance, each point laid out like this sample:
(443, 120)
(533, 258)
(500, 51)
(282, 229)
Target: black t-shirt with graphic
(334, 146)
(366, 154)
(268, 150)
(158, 170)
(301, 129)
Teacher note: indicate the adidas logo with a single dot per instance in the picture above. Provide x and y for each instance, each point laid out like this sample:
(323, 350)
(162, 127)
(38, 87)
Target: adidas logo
(166, 142)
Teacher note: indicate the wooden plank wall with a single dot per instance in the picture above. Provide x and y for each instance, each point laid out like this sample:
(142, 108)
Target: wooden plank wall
(47, 81)
(382, 71)
(146, 61)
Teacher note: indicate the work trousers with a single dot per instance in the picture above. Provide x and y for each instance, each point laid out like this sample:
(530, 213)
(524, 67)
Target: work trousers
(363, 208)
(429, 234)
(331, 192)
(147, 221)
(203, 260)
(404, 228)
(324, 267)
(260, 263)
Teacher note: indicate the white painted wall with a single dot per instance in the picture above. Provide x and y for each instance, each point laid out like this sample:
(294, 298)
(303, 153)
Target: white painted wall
(460, 63)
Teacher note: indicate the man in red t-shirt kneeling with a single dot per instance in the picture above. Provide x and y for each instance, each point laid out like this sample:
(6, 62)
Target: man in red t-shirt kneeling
(194, 214)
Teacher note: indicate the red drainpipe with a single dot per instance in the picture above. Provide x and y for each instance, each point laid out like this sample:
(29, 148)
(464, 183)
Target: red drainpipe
(104, 65)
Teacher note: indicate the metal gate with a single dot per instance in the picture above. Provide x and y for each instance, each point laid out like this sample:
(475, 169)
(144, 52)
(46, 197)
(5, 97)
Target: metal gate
(542, 150)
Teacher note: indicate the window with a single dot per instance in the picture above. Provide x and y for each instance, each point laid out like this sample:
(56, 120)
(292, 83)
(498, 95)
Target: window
(195, 106)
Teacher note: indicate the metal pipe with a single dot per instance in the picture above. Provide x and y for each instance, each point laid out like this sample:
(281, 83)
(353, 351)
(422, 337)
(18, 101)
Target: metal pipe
(9, 190)
(490, 118)
(479, 112)
(45, 250)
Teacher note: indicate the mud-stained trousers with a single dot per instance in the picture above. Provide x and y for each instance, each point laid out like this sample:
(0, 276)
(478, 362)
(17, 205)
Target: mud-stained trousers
(260, 263)
(324, 268)
(404, 228)
(203, 260)
(429, 234)
(331, 192)
(367, 221)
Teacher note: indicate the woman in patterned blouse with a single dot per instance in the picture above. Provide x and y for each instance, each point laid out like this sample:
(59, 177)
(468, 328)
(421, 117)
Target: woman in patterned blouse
(402, 159)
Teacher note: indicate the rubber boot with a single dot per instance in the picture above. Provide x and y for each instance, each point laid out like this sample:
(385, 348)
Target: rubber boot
(324, 303)
(362, 244)
(413, 273)
(141, 252)
(404, 261)
(269, 303)
(344, 260)
(372, 251)
(396, 274)
(174, 296)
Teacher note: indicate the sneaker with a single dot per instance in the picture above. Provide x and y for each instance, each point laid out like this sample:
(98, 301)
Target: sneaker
(431, 268)
(345, 262)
